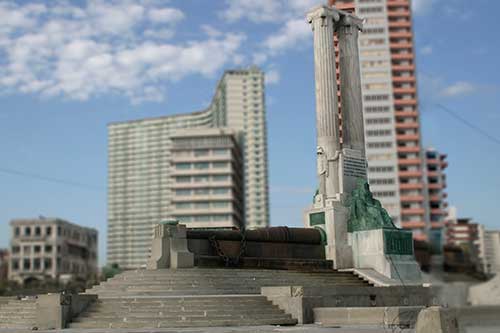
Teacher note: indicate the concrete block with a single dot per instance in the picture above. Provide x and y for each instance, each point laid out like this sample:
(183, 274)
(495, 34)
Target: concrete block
(487, 293)
(437, 319)
(55, 311)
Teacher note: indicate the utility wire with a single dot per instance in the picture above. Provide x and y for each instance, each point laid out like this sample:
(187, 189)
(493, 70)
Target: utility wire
(49, 179)
(469, 124)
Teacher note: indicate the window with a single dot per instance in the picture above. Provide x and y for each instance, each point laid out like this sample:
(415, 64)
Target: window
(183, 166)
(26, 249)
(183, 205)
(16, 249)
(201, 165)
(27, 231)
(38, 231)
(15, 264)
(47, 263)
(201, 179)
(220, 190)
(202, 205)
(379, 144)
(182, 192)
(48, 248)
(220, 165)
(201, 152)
(183, 179)
(26, 264)
(48, 231)
(17, 232)
(201, 191)
(37, 264)
(220, 178)
(37, 249)
(220, 204)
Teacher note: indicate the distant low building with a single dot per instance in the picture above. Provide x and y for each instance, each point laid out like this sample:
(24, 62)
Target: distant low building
(51, 248)
(4, 264)
(489, 246)
(464, 233)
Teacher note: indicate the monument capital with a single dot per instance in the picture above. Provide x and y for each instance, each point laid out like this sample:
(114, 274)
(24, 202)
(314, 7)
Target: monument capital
(348, 20)
(323, 12)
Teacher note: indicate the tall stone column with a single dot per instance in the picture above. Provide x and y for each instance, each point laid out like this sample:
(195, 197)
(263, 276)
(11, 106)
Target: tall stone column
(353, 133)
(322, 20)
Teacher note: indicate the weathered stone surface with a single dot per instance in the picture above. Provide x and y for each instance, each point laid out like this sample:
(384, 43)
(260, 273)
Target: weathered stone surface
(437, 319)
(373, 316)
(487, 293)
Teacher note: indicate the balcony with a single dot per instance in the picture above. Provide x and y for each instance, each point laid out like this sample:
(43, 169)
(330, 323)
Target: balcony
(408, 174)
(407, 137)
(404, 79)
(408, 149)
(413, 211)
(405, 102)
(412, 224)
(435, 186)
(409, 161)
(435, 198)
(411, 186)
(393, 3)
(402, 56)
(432, 161)
(408, 125)
(437, 225)
(399, 24)
(411, 90)
(403, 68)
(403, 34)
(397, 46)
(411, 198)
(438, 211)
(433, 174)
(398, 13)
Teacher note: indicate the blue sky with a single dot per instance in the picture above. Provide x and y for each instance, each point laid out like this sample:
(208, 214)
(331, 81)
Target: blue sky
(67, 69)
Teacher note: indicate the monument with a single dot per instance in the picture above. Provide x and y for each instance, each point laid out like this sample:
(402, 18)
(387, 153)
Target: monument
(358, 231)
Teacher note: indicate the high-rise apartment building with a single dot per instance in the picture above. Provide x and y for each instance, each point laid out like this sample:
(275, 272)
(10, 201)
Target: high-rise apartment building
(392, 124)
(489, 247)
(51, 248)
(140, 161)
(207, 179)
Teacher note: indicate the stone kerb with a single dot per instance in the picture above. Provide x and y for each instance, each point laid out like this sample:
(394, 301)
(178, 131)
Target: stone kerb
(169, 248)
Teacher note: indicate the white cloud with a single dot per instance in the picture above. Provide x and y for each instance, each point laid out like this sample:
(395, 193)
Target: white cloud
(166, 15)
(266, 10)
(272, 76)
(102, 47)
(426, 50)
(422, 6)
(293, 33)
(459, 88)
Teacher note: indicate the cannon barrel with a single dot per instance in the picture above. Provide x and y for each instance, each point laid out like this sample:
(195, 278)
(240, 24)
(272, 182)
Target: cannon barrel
(272, 234)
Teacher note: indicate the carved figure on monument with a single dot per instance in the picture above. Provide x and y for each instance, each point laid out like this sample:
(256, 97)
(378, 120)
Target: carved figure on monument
(366, 212)
(322, 164)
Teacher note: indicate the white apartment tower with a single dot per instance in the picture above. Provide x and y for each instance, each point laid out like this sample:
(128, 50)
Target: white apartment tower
(140, 164)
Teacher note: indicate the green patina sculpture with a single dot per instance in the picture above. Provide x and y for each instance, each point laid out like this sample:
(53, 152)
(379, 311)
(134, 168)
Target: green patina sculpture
(366, 212)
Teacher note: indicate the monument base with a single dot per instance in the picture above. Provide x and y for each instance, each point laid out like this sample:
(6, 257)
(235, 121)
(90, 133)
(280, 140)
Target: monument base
(332, 220)
(387, 251)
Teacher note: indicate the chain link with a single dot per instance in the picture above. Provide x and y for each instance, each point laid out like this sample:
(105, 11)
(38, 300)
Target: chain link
(229, 261)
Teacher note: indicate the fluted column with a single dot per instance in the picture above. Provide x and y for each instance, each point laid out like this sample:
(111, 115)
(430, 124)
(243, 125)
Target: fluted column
(350, 83)
(322, 20)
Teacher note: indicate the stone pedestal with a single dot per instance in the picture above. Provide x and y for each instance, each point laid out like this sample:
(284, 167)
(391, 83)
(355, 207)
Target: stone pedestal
(387, 251)
(170, 248)
(332, 220)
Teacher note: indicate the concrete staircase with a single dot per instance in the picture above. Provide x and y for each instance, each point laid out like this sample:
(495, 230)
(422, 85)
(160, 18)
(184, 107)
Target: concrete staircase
(20, 314)
(189, 311)
(216, 281)
(198, 297)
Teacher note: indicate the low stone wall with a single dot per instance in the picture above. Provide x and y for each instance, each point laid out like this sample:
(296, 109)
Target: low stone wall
(300, 301)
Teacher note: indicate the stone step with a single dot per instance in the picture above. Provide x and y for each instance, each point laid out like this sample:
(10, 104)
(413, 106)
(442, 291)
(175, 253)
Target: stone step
(204, 322)
(180, 315)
